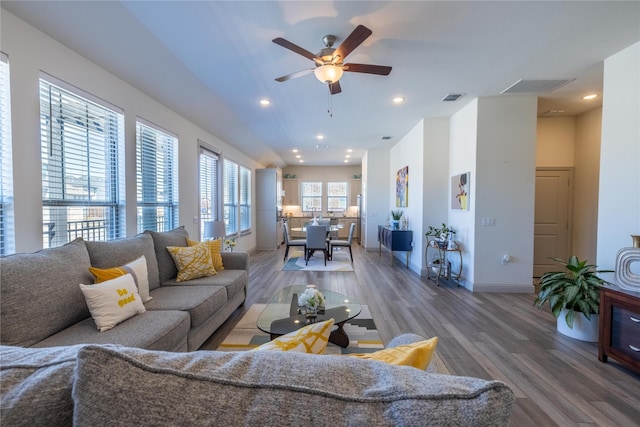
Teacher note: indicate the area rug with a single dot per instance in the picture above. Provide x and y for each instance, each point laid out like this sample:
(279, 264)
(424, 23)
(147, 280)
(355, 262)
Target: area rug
(362, 333)
(340, 261)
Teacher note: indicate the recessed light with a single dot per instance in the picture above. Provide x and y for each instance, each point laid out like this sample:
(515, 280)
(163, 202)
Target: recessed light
(298, 156)
(265, 102)
(348, 156)
(320, 136)
(592, 96)
(295, 150)
(398, 99)
(301, 161)
(349, 150)
(346, 160)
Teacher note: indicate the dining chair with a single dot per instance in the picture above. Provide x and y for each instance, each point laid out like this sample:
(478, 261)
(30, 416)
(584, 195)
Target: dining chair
(289, 243)
(343, 243)
(316, 241)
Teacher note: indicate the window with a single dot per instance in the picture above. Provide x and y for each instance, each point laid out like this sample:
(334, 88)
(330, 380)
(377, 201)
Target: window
(208, 187)
(7, 237)
(336, 196)
(157, 178)
(245, 199)
(312, 196)
(231, 197)
(82, 165)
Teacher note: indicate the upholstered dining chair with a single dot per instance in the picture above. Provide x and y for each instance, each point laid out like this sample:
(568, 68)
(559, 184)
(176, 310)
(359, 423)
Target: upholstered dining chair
(343, 243)
(289, 243)
(316, 241)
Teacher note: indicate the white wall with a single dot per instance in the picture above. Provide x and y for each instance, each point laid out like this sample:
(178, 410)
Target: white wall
(409, 152)
(505, 190)
(375, 175)
(31, 51)
(555, 145)
(435, 184)
(619, 196)
(587, 177)
(463, 158)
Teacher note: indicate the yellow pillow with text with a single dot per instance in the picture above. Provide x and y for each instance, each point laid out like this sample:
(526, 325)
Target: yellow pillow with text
(417, 354)
(309, 339)
(215, 247)
(192, 262)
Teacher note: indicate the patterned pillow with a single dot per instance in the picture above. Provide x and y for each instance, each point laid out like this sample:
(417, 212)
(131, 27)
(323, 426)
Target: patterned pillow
(192, 262)
(137, 268)
(215, 246)
(309, 339)
(113, 301)
(417, 354)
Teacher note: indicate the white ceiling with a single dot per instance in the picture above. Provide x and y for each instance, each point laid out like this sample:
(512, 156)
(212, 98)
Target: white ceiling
(211, 61)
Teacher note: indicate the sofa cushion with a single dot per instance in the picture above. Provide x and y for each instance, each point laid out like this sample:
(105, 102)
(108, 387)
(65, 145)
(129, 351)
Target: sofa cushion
(36, 386)
(215, 247)
(311, 339)
(156, 330)
(192, 262)
(234, 281)
(201, 302)
(161, 239)
(39, 292)
(115, 253)
(275, 388)
(113, 301)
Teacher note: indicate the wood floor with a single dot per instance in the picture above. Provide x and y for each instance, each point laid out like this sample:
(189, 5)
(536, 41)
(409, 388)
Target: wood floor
(558, 381)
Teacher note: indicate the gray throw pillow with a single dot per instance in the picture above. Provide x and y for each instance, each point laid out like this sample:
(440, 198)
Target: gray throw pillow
(161, 239)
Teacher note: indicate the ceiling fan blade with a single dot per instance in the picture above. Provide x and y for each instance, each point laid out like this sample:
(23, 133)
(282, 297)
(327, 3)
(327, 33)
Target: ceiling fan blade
(294, 75)
(354, 40)
(295, 48)
(367, 68)
(335, 88)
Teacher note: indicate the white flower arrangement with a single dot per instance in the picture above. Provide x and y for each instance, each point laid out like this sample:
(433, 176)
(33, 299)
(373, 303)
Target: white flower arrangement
(230, 244)
(311, 297)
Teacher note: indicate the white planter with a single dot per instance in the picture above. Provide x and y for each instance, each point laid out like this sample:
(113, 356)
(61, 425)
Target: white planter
(583, 329)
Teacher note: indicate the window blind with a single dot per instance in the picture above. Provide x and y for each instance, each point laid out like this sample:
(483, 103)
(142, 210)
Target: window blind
(156, 178)
(7, 237)
(231, 197)
(208, 187)
(245, 199)
(311, 196)
(82, 146)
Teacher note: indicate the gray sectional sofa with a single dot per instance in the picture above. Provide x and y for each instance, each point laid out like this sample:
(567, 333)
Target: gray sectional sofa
(41, 304)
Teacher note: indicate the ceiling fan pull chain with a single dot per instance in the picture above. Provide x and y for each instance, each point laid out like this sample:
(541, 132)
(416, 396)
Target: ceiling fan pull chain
(330, 104)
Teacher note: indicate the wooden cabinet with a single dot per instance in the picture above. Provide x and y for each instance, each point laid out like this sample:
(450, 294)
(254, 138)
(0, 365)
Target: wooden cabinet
(291, 189)
(356, 188)
(343, 233)
(297, 222)
(620, 327)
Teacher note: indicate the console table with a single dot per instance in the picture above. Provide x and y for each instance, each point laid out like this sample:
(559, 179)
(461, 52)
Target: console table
(395, 240)
(620, 326)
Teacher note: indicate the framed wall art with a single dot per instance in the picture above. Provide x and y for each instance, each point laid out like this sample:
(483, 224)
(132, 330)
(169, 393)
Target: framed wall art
(460, 191)
(402, 187)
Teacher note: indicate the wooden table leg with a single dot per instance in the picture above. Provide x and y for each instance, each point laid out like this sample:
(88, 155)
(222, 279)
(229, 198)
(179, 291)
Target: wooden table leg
(339, 336)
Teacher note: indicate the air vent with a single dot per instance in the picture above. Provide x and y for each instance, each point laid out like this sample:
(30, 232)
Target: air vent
(322, 146)
(536, 86)
(385, 138)
(452, 97)
(552, 113)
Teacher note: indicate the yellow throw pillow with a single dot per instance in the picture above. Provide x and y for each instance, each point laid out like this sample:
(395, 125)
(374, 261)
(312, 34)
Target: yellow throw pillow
(113, 301)
(137, 268)
(417, 354)
(215, 247)
(192, 262)
(309, 339)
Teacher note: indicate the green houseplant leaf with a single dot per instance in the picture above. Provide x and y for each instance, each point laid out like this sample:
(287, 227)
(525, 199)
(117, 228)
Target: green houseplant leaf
(576, 289)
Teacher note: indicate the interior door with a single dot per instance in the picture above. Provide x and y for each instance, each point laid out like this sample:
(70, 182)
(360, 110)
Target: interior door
(554, 193)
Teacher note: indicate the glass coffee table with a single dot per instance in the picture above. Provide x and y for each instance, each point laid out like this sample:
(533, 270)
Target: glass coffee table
(282, 315)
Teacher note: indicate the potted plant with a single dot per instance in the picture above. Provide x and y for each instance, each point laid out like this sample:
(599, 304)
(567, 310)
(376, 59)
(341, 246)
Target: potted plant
(574, 290)
(441, 234)
(395, 218)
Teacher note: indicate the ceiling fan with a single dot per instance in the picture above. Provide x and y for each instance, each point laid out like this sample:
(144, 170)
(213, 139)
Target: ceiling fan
(330, 62)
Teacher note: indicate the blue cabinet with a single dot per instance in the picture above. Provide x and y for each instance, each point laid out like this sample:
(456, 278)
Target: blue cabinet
(395, 240)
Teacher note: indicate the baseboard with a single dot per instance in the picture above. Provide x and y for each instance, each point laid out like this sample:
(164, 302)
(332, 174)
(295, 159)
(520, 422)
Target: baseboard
(526, 288)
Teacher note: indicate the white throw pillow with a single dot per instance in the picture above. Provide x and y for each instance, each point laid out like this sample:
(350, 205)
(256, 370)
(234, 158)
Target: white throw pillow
(113, 301)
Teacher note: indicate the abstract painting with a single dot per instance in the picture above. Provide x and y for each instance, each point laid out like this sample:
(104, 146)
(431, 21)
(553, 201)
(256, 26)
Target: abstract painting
(460, 191)
(402, 187)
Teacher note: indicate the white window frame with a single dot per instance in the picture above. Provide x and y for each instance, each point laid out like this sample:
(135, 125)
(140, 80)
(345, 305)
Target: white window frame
(209, 185)
(156, 177)
(230, 204)
(311, 200)
(82, 165)
(7, 224)
(340, 198)
(244, 182)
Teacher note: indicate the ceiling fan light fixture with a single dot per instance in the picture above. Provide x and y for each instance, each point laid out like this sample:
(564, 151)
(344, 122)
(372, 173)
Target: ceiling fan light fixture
(328, 73)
